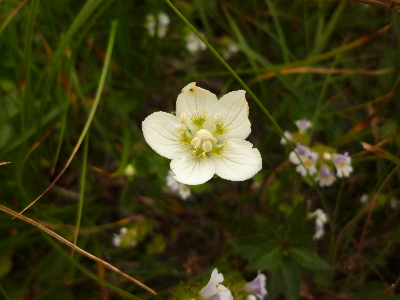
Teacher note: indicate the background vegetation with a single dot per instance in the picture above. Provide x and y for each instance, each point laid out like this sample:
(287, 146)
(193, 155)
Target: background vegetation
(333, 62)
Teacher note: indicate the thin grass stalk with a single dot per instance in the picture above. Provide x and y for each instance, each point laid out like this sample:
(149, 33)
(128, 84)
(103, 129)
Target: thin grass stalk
(76, 248)
(333, 222)
(104, 73)
(89, 273)
(279, 31)
(82, 184)
(3, 292)
(27, 101)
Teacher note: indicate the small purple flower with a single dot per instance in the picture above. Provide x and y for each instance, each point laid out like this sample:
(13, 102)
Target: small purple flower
(257, 286)
(342, 163)
(302, 150)
(303, 125)
(325, 176)
(307, 157)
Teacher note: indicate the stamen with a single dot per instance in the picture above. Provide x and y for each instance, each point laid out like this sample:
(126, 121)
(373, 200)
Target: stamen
(207, 146)
(196, 142)
(183, 118)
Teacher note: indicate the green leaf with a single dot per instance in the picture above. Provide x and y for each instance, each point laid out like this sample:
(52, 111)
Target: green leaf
(289, 276)
(248, 246)
(295, 221)
(5, 264)
(267, 257)
(308, 258)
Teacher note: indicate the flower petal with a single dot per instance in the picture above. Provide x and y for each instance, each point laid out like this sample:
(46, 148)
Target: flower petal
(240, 161)
(233, 111)
(160, 132)
(193, 101)
(192, 170)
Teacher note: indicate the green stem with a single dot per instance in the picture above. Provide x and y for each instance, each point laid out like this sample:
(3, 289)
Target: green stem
(333, 222)
(104, 73)
(224, 63)
(82, 188)
(3, 292)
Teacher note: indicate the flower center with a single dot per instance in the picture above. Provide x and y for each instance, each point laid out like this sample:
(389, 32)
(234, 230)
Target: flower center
(202, 143)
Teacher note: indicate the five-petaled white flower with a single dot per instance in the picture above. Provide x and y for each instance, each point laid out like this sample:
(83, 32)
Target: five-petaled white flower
(214, 290)
(257, 286)
(342, 163)
(308, 158)
(206, 137)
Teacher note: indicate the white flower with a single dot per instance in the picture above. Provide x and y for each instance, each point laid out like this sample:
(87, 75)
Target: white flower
(214, 290)
(117, 238)
(394, 202)
(325, 176)
(288, 136)
(364, 198)
(326, 156)
(231, 49)
(182, 189)
(307, 157)
(172, 184)
(321, 220)
(342, 163)
(210, 142)
(303, 125)
(257, 286)
(194, 43)
(163, 22)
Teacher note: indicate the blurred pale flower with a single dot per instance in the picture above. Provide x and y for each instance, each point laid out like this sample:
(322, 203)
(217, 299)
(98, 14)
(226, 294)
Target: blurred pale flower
(163, 22)
(342, 163)
(182, 189)
(288, 136)
(364, 198)
(325, 176)
(214, 290)
(117, 238)
(307, 157)
(257, 286)
(251, 297)
(130, 171)
(394, 202)
(320, 221)
(206, 137)
(230, 50)
(326, 156)
(303, 125)
(172, 184)
(194, 43)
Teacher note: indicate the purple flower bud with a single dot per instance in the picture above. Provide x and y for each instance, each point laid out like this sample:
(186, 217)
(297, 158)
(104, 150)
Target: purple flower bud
(257, 286)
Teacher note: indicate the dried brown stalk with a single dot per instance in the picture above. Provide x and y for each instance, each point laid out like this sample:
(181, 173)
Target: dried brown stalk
(394, 4)
(76, 248)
